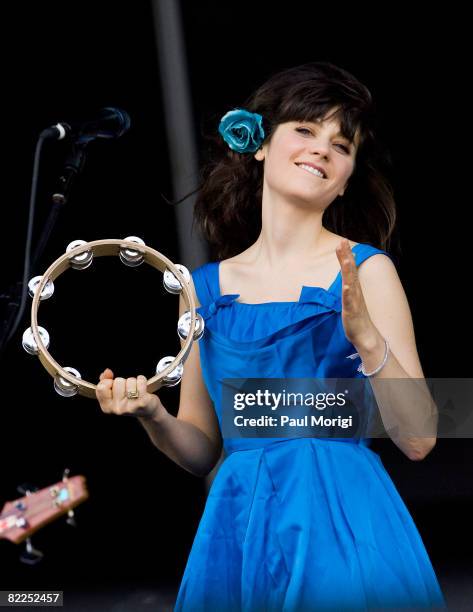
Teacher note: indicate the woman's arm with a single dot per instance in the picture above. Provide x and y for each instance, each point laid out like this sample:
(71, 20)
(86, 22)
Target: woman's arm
(182, 442)
(405, 405)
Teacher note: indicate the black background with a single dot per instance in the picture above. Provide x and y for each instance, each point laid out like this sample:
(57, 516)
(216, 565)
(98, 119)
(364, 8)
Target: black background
(63, 60)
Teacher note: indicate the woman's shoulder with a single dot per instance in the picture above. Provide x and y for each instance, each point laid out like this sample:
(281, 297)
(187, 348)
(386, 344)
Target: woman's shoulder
(365, 247)
(205, 282)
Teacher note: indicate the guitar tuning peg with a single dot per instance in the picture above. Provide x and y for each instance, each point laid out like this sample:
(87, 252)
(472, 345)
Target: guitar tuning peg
(26, 488)
(30, 555)
(71, 518)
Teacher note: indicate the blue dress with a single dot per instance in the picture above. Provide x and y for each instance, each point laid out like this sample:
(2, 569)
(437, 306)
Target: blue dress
(296, 524)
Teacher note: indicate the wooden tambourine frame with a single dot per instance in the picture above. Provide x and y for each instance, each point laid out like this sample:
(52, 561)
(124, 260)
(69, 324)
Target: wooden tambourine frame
(101, 248)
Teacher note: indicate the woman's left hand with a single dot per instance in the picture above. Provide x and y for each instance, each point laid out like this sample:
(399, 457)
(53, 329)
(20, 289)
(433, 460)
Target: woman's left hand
(358, 326)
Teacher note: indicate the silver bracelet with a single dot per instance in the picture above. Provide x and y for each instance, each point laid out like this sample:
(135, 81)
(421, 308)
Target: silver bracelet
(380, 366)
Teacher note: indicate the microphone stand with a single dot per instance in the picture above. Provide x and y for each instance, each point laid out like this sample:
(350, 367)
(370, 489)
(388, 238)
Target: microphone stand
(17, 294)
(72, 168)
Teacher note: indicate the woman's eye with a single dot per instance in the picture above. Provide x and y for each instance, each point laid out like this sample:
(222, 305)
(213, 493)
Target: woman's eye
(344, 147)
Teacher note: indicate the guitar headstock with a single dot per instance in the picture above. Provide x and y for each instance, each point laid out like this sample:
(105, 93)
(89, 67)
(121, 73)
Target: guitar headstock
(21, 517)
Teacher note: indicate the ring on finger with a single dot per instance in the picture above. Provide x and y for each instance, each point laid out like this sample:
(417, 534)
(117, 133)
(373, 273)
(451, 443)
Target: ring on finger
(133, 394)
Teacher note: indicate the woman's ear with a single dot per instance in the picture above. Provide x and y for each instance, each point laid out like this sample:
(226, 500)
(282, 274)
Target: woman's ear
(259, 155)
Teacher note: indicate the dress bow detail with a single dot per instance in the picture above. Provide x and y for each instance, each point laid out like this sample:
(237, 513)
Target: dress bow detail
(224, 300)
(318, 295)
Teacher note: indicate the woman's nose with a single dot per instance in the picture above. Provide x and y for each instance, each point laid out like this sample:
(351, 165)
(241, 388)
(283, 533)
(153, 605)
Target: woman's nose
(320, 147)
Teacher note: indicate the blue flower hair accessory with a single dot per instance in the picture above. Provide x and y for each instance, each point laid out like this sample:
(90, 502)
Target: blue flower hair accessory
(242, 131)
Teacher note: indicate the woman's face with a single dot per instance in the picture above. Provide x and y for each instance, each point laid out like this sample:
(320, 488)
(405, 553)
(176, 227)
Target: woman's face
(294, 143)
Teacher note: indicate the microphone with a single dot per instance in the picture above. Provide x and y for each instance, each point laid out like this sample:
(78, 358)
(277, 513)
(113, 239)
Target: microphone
(108, 123)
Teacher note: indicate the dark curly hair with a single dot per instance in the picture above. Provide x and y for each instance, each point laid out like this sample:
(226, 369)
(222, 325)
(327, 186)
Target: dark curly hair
(228, 205)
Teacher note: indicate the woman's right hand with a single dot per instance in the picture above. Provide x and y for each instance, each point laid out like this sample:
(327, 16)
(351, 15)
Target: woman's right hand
(112, 396)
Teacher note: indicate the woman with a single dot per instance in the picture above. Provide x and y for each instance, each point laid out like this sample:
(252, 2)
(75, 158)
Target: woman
(294, 524)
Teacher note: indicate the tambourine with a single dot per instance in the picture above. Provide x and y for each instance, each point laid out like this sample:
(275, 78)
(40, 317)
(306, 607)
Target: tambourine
(132, 251)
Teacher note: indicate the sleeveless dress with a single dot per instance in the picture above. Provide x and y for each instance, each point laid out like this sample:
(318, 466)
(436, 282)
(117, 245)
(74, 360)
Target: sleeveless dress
(296, 524)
